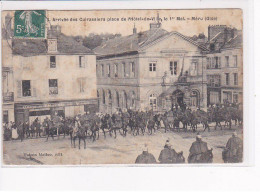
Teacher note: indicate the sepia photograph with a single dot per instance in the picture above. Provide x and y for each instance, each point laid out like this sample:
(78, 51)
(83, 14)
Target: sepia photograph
(122, 87)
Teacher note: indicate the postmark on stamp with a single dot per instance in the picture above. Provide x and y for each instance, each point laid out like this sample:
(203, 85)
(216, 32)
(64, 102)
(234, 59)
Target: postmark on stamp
(29, 24)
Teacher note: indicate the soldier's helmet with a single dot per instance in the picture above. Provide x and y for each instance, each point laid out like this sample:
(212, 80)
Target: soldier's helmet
(198, 137)
(145, 148)
(234, 134)
(167, 143)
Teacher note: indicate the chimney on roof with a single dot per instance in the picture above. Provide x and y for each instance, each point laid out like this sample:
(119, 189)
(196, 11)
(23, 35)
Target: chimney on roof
(134, 29)
(157, 24)
(54, 31)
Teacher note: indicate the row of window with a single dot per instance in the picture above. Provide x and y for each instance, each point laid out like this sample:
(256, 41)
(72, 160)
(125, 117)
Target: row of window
(214, 97)
(53, 86)
(215, 62)
(27, 89)
(109, 98)
(235, 79)
(125, 72)
(81, 61)
(152, 68)
(215, 80)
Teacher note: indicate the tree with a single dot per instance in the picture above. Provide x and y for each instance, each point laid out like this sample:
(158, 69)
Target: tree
(94, 40)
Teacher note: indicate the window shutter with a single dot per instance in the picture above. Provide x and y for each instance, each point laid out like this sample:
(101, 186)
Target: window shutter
(19, 89)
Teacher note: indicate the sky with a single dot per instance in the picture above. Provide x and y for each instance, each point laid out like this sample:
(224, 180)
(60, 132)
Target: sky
(229, 17)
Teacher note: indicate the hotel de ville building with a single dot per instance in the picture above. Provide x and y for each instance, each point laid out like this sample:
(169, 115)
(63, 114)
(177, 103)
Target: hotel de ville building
(157, 70)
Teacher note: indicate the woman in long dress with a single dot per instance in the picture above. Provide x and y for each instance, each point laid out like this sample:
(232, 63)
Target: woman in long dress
(14, 131)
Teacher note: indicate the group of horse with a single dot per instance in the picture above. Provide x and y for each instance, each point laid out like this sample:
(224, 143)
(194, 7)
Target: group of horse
(137, 122)
(222, 117)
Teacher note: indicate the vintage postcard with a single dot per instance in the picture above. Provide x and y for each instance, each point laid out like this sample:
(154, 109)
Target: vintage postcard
(122, 87)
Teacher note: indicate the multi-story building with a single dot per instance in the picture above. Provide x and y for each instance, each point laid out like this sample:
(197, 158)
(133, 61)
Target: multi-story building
(224, 65)
(51, 76)
(7, 72)
(153, 69)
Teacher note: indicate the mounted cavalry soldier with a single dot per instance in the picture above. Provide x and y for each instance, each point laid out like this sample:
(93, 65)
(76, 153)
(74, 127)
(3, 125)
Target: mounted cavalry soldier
(199, 152)
(145, 157)
(38, 128)
(169, 155)
(45, 125)
(25, 129)
(233, 153)
(116, 119)
(210, 112)
(51, 129)
(76, 127)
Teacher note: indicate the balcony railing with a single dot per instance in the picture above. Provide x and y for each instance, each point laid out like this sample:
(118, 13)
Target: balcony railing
(8, 97)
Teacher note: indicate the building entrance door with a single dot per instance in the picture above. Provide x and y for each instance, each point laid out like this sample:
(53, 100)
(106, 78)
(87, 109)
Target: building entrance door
(177, 97)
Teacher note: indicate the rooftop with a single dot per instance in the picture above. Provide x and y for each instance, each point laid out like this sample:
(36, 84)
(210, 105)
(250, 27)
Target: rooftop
(65, 45)
(130, 43)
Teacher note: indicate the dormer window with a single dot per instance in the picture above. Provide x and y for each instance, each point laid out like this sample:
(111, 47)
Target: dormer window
(52, 45)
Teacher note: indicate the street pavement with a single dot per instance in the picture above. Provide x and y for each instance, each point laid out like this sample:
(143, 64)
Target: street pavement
(122, 150)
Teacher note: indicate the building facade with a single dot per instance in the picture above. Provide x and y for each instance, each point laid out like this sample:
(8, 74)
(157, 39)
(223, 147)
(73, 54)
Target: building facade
(151, 70)
(224, 65)
(53, 76)
(7, 73)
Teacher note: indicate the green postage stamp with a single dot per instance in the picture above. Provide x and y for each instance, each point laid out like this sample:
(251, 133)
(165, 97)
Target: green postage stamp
(29, 23)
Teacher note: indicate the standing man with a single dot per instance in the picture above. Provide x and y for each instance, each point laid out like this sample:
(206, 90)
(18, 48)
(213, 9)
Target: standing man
(21, 131)
(233, 153)
(199, 152)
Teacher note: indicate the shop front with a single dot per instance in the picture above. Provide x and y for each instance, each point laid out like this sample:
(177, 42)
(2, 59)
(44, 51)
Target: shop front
(41, 110)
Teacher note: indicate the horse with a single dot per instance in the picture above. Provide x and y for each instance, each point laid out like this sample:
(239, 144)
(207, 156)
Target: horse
(179, 158)
(94, 128)
(105, 123)
(206, 157)
(141, 124)
(151, 126)
(117, 124)
(79, 132)
(125, 124)
(157, 119)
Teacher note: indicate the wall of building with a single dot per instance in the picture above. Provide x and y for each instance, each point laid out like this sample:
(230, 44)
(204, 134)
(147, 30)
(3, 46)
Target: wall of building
(231, 69)
(67, 71)
(172, 49)
(7, 81)
(126, 84)
(146, 83)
